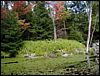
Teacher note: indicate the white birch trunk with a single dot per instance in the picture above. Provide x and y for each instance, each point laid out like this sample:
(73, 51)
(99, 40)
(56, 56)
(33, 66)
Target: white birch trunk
(55, 35)
(54, 26)
(88, 38)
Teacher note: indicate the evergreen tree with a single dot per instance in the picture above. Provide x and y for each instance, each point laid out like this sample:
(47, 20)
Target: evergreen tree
(10, 33)
(41, 26)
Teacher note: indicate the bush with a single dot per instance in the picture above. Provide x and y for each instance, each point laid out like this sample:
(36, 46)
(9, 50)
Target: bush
(76, 35)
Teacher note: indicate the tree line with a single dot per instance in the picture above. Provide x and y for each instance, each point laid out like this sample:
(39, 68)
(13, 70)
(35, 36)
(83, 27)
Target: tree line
(40, 20)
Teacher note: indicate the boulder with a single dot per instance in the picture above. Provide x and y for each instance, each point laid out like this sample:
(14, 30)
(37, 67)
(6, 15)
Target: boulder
(30, 55)
(53, 54)
(64, 54)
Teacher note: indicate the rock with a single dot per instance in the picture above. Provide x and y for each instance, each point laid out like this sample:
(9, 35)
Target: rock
(71, 54)
(33, 55)
(64, 54)
(30, 55)
(59, 50)
(95, 46)
(53, 54)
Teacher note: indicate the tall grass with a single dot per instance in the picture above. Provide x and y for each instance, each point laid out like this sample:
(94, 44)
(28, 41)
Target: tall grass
(40, 47)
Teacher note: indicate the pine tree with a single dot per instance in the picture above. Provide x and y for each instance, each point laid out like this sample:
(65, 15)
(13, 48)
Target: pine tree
(40, 22)
(10, 33)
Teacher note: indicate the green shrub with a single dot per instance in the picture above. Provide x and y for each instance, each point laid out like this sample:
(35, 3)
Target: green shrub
(76, 35)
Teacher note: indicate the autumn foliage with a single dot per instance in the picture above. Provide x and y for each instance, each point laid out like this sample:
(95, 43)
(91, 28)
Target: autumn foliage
(23, 24)
(17, 5)
(59, 7)
(21, 8)
(4, 13)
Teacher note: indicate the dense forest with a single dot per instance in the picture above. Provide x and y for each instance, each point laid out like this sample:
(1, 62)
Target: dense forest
(47, 20)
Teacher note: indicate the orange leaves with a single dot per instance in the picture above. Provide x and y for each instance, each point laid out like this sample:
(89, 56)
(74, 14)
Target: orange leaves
(3, 10)
(4, 13)
(23, 24)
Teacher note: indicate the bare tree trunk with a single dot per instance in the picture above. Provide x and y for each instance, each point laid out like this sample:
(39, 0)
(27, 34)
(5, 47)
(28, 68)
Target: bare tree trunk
(88, 38)
(93, 32)
(65, 30)
(54, 26)
(55, 34)
(92, 36)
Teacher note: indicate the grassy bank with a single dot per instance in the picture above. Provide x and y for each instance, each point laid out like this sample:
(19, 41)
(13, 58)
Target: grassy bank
(46, 46)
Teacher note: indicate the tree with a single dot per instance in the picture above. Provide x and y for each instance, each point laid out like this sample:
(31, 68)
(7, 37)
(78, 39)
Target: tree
(57, 15)
(76, 26)
(95, 22)
(40, 22)
(66, 15)
(54, 26)
(10, 34)
(21, 8)
(89, 28)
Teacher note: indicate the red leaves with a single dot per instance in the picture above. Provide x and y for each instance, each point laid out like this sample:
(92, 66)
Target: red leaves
(4, 13)
(19, 6)
(59, 7)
